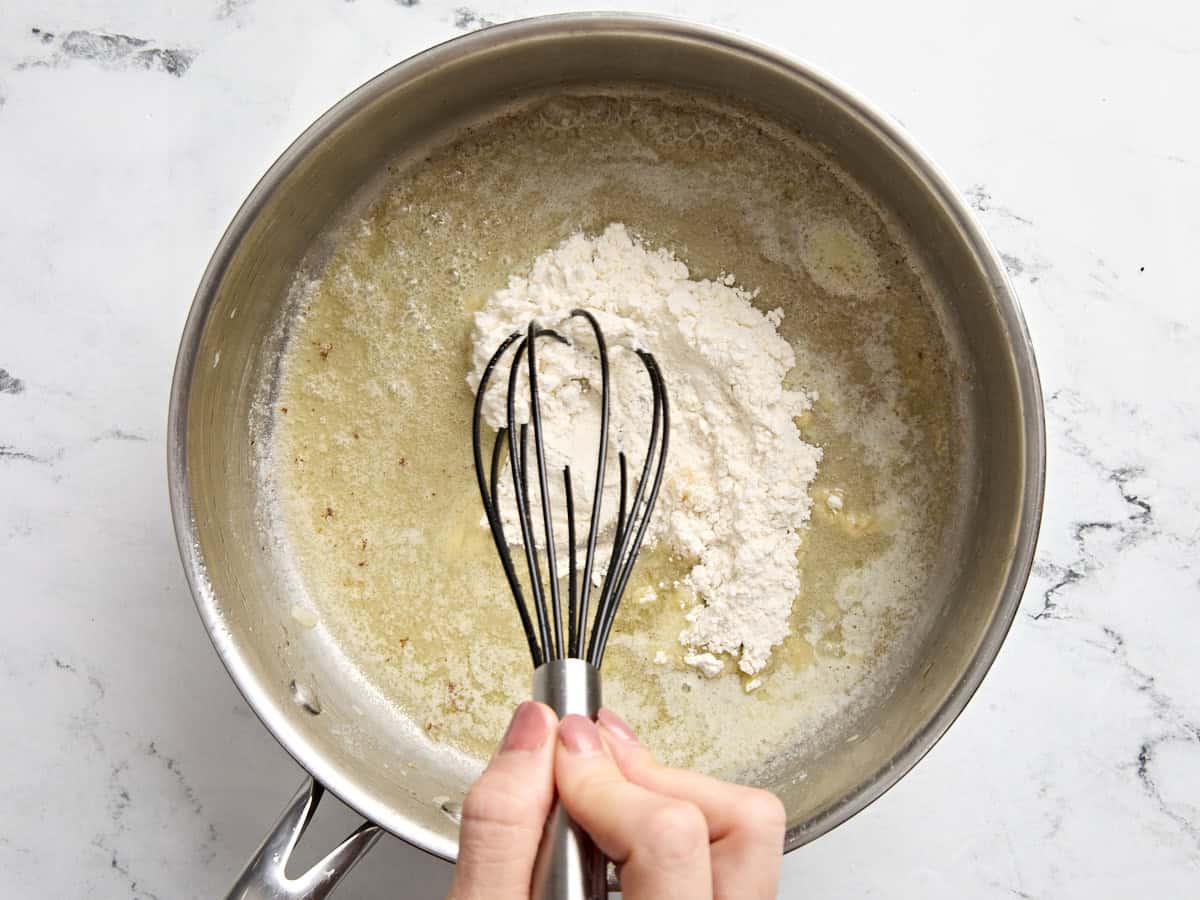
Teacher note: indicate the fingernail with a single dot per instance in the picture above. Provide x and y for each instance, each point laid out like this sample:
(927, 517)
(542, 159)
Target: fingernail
(527, 730)
(618, 726)
(580, 735)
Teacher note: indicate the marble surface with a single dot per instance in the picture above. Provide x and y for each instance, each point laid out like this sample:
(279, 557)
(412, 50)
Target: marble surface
(129, 134)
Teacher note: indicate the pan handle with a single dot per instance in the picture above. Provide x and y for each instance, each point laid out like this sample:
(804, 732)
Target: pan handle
(265, 876)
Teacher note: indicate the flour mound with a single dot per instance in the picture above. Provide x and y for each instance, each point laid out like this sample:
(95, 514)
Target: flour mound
(738, 471)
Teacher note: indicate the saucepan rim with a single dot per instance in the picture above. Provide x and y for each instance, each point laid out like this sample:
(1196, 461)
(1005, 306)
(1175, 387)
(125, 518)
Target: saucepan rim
(227, 644)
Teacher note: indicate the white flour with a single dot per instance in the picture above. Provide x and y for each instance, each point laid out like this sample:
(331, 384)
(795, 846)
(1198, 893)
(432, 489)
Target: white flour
(738, 471)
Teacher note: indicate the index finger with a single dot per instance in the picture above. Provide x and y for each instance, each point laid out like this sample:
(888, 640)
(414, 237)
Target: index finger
(746, 824)
(660, 843)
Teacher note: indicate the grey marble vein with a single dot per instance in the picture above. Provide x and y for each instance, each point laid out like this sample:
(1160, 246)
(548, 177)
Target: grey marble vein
(1030, 269)
(109, 49)
(227, 8)
(1137, 525)
(12, 453)
(120, 434)
(980, 200)
(468, 19)
(1175, 726)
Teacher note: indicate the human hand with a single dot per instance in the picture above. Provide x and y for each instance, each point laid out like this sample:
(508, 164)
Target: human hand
(671, 833)
(505, 810)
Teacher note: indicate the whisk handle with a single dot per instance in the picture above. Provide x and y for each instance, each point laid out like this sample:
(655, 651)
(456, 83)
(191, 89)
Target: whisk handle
(568, 865)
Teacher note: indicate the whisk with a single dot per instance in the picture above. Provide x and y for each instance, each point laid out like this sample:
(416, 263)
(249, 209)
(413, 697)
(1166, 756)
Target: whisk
(566, 661)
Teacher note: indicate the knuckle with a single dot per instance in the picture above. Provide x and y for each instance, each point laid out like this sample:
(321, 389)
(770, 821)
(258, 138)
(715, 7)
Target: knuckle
(675, 833)
(763, 812)
(588, 786)
(493, 803)
(761, 815)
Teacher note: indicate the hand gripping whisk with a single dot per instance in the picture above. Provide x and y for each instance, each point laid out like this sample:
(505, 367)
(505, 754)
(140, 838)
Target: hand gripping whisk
(566, 664)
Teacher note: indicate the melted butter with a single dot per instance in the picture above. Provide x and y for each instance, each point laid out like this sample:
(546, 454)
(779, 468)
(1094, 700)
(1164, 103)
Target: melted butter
(372, 450)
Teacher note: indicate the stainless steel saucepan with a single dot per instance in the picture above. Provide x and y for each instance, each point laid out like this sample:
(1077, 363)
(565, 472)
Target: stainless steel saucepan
(309, 698)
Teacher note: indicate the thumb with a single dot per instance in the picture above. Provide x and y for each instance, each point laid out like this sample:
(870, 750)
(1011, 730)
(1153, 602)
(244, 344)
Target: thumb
(505, 810)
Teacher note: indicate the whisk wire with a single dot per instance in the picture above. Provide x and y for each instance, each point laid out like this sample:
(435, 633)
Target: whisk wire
(613, 570)
(535, 413)
(497, 454)
(661, 423)
(488, 496)
(572, 580)
(548, 641)
(517, 453)
(601, 461)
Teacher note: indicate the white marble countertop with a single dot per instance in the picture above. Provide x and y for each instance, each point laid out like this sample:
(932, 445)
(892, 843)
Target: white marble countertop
(129, 764)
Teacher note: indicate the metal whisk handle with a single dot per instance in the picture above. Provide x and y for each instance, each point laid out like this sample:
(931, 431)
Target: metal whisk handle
(568, 865)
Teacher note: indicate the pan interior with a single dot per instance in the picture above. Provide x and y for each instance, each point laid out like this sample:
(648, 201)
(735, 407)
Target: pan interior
(367, 445)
